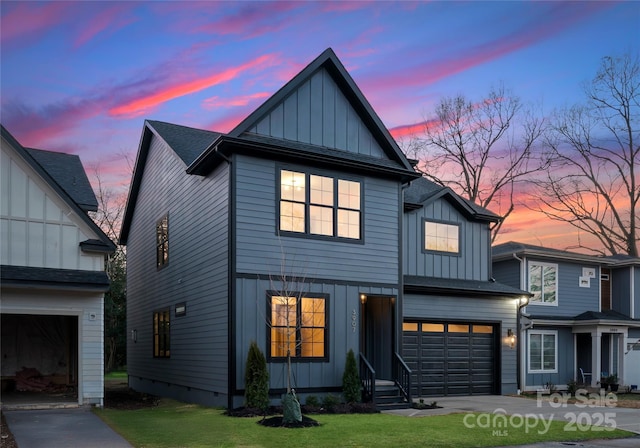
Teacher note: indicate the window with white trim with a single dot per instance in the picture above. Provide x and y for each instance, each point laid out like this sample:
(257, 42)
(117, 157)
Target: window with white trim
(543, 351)
(543, 283)
(320, 205)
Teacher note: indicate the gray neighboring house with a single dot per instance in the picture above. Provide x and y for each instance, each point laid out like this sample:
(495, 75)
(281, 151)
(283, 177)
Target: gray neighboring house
(312, 187)
(583, 321)
(52, 274)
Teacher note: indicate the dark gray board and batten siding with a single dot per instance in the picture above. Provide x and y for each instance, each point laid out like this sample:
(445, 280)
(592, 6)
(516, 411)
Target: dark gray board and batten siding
(473, 261)
(318, 113)
(197, 274)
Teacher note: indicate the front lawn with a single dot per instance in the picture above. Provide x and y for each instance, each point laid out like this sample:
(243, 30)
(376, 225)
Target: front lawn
(173, 424)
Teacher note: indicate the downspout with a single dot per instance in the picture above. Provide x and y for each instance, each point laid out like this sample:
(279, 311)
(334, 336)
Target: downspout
(519, 346)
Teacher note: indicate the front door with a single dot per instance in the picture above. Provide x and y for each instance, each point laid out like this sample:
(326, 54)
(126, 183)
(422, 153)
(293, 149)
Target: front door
(378, 334)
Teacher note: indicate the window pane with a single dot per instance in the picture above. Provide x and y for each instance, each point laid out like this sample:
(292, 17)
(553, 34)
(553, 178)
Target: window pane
(349, 224)
(487, 329)
(441, 237)
(321, 190)
(410, 326)
(291, 216)
(535, 351)
(292, 186)
(348, 194)
(549, 275)
(535, 282)
(281, 340)
(433, 328)
(458, 328)
(283, 311)
(549, 352)
(321, 220)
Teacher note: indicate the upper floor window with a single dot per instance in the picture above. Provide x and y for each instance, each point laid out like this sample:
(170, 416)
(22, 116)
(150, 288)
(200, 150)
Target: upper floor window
(320, 205)
(161, 324)
(297, 326)
(162, 241)
(543, 283)
(441, 237)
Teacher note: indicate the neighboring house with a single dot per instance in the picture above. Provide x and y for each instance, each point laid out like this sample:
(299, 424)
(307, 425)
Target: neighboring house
(583, 318)
(52, 271)
(303, 199)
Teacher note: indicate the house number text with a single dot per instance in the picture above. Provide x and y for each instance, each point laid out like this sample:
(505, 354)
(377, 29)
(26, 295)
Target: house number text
(354, 320)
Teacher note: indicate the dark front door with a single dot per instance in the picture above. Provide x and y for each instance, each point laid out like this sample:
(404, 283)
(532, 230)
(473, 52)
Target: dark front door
(378, 335)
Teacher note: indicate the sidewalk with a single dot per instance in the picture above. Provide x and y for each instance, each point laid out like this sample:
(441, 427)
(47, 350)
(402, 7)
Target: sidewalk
(62, 428)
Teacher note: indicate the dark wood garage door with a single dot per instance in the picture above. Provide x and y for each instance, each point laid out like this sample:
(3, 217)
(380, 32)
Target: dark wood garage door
(451, 358)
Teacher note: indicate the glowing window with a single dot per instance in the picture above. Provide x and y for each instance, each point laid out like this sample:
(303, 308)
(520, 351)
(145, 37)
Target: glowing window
(441, 237)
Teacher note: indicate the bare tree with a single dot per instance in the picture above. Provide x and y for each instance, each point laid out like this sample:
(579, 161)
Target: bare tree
(481, 150)
(109, 218)
(594, 148)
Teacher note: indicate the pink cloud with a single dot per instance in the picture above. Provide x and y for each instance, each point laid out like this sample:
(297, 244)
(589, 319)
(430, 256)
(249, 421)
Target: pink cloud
(407, 130)
(109, 19)
(213, 102)
(147, 102)
(228, 122)
(28, 21)
(557, 18)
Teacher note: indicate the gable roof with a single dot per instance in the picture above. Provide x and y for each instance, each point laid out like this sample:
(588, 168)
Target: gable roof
(68, 181)
(329, 61)
(422, 191)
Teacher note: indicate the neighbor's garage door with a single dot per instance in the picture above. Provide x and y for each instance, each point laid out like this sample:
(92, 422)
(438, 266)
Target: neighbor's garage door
(448, 358)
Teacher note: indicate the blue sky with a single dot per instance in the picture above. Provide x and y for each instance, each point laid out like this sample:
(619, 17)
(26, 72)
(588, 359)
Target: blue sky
(81, 77)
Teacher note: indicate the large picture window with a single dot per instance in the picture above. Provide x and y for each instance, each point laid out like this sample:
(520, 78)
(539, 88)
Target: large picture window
(161, 332)
(441, 237)
(297, 325)
(162, 242)
(320, 205)
(543, 351)
(543, 283)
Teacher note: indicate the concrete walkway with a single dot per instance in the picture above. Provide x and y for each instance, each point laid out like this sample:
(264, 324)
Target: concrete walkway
(62, 428)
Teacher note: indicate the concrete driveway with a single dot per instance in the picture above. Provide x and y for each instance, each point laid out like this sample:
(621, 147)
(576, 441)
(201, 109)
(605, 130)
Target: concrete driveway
(61, 428)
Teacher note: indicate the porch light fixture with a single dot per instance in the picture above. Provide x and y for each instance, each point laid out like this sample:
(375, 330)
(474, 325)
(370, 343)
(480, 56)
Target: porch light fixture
(511, 337)
(363, 299)
(523, 301)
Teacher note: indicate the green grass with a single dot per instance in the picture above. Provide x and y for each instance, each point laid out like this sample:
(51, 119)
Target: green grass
(115, 375)
(175, 424)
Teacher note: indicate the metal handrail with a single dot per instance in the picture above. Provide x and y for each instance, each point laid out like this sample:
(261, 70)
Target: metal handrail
(402, 374)
(368, 378)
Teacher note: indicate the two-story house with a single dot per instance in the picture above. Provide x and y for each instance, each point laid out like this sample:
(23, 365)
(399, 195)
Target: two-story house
(52, 277)
(307, 209)
(583, 320)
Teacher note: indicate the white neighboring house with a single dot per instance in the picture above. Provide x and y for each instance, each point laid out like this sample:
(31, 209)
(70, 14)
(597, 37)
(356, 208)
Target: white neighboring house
(52, 272)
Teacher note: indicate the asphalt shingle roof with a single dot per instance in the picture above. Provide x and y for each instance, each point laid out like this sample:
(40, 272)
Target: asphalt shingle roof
(456, 286)
(67, 171)
(47, 277)
(188, 143)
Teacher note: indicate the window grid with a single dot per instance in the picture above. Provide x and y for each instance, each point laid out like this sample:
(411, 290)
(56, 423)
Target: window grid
(161, 334)
(543, 352)
(442, 237)
(320, 205)
(305, 334)
(543, 283)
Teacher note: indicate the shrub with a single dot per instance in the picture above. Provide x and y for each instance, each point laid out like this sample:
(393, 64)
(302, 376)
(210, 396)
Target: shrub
(313, 401)
(351, 387)
(572, 386)
(256, 379)
(330, 402)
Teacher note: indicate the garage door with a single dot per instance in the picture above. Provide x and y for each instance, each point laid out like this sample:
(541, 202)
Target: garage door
(451, 358)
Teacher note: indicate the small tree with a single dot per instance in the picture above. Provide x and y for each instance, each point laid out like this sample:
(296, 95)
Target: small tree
(351, 387)
(256, 379)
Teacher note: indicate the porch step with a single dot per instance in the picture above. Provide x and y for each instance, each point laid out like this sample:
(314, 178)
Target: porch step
(388, 396)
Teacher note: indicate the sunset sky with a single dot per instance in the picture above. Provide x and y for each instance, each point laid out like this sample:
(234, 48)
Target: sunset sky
(81, 77)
